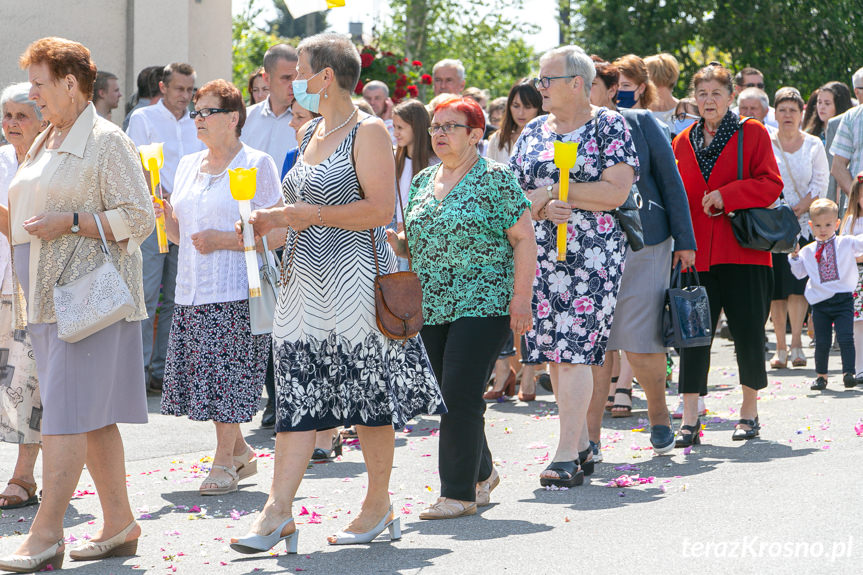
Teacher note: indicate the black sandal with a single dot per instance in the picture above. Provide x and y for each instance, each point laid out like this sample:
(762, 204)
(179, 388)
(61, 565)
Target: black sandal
(320, 454)
(585, 460)
(610, 397)
(622, 410)
(751, 433)
(691, 438)
(569, 474)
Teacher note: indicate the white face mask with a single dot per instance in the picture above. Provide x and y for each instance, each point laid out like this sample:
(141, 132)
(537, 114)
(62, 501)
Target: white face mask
(310, 102)
(678, 126)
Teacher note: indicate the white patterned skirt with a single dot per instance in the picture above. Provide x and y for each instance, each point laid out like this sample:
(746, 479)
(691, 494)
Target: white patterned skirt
(20, 404)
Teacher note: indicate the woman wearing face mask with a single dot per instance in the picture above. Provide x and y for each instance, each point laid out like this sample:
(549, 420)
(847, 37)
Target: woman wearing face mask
(634, 90)
(333, 365)
(664, 218)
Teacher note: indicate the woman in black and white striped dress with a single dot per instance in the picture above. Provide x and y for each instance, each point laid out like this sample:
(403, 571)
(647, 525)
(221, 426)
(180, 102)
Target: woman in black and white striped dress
(333, 365)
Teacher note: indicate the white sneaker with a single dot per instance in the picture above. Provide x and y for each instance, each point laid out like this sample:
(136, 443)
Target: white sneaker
(678, 412)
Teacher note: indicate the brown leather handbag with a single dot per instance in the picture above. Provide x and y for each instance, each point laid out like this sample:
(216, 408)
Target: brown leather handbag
(398, 296)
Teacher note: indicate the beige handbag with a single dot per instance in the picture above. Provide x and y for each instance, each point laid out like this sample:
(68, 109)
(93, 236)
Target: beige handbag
(93, 301)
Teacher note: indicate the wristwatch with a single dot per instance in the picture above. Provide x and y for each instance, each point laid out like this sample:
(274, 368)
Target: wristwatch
(75, 227)
(548, 189)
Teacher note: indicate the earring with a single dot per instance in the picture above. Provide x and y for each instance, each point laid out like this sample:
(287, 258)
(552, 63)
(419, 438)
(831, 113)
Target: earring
(325, 95)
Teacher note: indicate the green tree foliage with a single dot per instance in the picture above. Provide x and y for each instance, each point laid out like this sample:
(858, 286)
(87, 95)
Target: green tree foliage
(249, 45)
(286, 25)
(479, 32)
(802, 43)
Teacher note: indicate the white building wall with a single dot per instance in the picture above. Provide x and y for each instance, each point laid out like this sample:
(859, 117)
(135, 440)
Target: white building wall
(123, 36)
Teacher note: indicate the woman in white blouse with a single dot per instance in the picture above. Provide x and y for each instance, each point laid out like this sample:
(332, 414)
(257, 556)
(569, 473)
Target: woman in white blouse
(215, 367)
(802, 162)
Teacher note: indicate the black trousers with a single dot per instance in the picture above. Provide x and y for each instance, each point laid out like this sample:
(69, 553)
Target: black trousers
(744, 291)
(462, 355)
(837, 311)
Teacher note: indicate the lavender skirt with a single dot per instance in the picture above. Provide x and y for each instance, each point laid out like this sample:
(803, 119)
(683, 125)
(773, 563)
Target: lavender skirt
(89, 384)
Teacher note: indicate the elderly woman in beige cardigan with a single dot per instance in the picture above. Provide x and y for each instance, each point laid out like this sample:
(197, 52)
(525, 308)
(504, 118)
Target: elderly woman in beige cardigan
(81, 168)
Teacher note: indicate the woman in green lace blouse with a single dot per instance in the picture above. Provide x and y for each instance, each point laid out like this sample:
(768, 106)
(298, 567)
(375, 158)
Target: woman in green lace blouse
(471, 239)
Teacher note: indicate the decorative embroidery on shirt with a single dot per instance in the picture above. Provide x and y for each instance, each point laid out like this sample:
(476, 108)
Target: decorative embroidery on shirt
(825, 255)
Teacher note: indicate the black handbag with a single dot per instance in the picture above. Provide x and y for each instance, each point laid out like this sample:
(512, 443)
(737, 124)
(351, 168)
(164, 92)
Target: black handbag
(628, 214)
(764, 229)
(629, 217)
(686, 314)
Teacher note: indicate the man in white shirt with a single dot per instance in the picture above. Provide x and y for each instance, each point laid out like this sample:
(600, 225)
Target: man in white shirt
(377, 94)
(168, 122)
(847, 145)
(268, 123)
(106, 93)
(448, 77)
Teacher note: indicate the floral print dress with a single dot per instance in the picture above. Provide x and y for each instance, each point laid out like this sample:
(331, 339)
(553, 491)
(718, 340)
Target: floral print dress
(574, 300)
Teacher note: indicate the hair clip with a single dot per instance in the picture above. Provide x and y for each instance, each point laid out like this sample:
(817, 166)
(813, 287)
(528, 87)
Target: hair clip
(860, 178)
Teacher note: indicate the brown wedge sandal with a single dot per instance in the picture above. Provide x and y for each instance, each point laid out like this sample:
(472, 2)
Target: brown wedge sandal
(16, 501)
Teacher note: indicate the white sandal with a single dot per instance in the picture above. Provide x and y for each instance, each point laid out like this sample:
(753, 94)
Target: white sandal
(246, 463)
(223, 485)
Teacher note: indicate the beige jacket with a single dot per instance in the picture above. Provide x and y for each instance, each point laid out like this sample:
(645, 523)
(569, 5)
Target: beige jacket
(98, 169)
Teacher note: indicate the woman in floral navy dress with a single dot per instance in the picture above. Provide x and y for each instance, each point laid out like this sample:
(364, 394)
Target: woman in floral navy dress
(574, 300)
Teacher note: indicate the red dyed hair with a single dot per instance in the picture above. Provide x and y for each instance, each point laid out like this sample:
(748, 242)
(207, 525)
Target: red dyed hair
(229, 97)
(466, 106)
(62, 57)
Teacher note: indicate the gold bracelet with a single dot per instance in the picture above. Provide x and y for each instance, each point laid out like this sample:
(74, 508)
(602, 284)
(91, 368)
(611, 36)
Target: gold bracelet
(320, 219)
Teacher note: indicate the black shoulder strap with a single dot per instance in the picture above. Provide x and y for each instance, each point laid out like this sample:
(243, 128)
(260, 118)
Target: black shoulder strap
(740, 148)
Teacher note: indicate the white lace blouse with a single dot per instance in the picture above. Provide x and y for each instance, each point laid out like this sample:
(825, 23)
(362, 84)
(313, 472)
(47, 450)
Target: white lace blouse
(203, 202)
(805, 172)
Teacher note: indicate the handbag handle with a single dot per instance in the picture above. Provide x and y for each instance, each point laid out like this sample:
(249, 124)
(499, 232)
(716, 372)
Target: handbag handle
(363, 195)
(103, 247)
(677, 277)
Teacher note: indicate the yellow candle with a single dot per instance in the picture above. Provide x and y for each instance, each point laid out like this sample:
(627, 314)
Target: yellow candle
(564, 158)
(243, 184)
(152, 157)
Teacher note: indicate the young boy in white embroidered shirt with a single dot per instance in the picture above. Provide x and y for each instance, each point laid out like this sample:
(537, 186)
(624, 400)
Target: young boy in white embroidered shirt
(830, 262)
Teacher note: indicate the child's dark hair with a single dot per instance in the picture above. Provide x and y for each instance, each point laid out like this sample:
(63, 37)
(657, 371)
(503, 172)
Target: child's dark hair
(854, 210)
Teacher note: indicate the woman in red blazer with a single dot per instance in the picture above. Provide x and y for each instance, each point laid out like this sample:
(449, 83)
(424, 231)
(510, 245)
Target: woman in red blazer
(737, 279)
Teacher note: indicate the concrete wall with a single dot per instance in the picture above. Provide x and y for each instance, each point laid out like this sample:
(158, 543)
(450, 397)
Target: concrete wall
(123, 35)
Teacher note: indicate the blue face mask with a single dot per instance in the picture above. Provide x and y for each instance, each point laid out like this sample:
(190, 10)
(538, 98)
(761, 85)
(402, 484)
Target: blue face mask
(310, 102)
(626, 98)
(677, 126)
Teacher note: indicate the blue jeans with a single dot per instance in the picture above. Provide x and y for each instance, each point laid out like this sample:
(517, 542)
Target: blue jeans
(160, 274)
(837, 311)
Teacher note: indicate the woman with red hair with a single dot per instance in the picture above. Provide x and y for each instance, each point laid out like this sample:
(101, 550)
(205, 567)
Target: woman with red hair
(468, 229)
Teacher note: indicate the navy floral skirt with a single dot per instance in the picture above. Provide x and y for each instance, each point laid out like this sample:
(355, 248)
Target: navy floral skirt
(573, 300)
(215, 367)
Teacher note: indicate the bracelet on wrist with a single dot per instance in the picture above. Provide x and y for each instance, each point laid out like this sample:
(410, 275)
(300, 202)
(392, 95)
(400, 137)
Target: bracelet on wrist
(320, 218)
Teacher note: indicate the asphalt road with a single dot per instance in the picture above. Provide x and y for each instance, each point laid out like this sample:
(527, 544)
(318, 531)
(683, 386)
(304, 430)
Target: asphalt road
(789, 502)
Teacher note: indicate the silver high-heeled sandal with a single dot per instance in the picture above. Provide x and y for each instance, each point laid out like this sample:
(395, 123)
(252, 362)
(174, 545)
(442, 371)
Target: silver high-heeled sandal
(351, 538)
(51, 557)
(253, 543)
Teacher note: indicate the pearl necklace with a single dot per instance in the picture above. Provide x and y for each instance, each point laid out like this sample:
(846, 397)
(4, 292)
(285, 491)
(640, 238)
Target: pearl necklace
(340, 126)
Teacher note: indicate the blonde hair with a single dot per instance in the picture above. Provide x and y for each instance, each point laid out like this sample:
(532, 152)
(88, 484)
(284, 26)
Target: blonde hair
(663, 69)
(823, 206)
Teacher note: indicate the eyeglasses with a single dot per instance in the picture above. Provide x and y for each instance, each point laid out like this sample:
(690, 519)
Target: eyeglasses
(759, 85)
(207, 112)
(445, 128)
(683, 116)
(545, 81)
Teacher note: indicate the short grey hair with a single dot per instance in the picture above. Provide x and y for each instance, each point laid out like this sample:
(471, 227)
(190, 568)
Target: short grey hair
(755, 94)
(450, 63)
(278, 52)
(857, 79)
(377, 85)
(20, 94)
(576, 63)
(336, 51)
